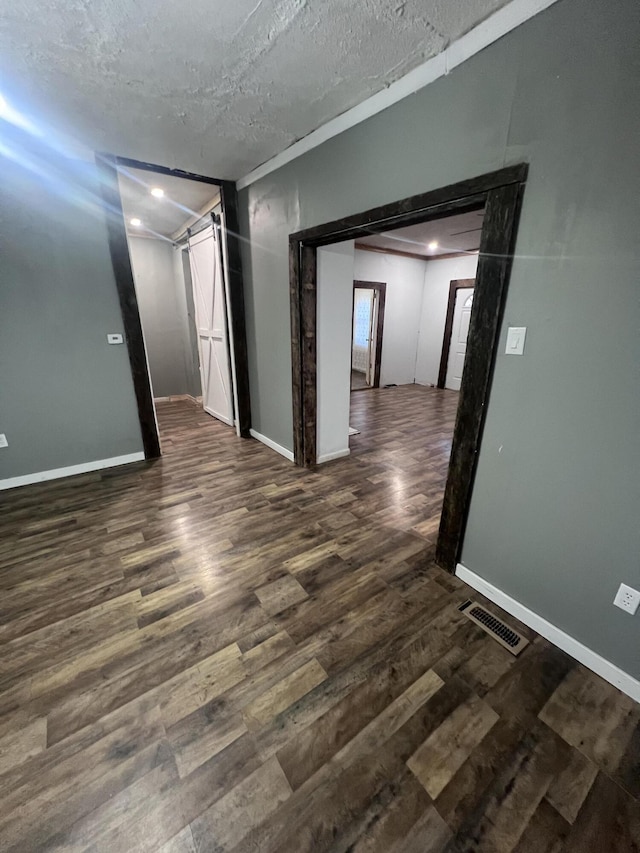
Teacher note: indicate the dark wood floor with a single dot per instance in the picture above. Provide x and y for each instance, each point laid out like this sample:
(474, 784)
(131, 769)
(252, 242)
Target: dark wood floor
(358, 380)
(223, 652)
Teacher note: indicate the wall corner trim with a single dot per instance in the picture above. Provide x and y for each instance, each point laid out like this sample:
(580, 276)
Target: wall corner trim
(336, 454)
(595, 662)
(70, 470)
(482, 35)
(288, 454)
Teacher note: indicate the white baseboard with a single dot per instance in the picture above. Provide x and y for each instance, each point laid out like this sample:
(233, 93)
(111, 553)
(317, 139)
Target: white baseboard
(174, 398)
(70, 470)
(595, 662)
(329, 457)
(288, 454)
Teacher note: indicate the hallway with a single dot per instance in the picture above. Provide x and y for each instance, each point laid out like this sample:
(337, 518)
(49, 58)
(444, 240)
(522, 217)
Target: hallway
(221, 651)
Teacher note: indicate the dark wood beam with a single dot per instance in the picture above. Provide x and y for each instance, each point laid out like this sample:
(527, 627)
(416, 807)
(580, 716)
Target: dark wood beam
(365, 247)
(308, 311)
(229, 202)
(295, 298)
(129, 163)
(435, 204)
(494, 267)
(119, 249)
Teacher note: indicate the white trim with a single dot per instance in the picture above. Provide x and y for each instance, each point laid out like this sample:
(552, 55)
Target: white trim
(174, 398)
(288, 454)
(70, 470)
(490, 30)
(329, 457)
(607, 670)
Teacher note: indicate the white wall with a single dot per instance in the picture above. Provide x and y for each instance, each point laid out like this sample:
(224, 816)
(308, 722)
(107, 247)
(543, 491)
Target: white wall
(404, 278)
(335, 294)
(434, 312)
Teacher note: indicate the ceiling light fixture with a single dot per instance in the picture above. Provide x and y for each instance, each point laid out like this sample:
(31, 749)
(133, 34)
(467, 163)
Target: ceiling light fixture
(433, 245)
(136, 222)
(158, 192)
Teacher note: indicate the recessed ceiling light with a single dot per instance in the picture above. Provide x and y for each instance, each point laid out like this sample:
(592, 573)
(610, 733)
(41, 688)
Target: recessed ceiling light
(158, 192)
(433, 245)
(136, 222)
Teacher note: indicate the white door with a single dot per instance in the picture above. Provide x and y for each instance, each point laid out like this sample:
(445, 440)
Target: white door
(205, 258)
(373, 340)
(362, 324)
(459, 334)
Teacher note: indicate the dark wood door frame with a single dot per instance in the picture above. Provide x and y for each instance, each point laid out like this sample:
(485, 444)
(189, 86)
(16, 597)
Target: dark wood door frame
(119, 249)
(500, 194)
(381, 289)
(454, 286)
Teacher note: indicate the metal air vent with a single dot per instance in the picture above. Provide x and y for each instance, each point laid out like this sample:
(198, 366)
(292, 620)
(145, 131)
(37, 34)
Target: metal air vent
(496, 628)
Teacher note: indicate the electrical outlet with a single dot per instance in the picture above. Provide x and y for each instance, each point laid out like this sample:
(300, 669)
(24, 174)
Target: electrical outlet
(3, 440)
(627, 598)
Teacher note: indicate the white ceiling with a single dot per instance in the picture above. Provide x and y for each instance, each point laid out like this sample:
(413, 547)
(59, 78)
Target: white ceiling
(182, 201)
(209, 86)
(454, 234)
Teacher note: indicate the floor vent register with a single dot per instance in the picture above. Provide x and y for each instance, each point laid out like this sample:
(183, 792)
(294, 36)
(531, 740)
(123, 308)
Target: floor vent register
(496, 628)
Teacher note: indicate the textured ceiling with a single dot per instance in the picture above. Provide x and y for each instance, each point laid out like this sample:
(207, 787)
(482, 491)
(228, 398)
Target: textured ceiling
(209, 86)
(182, 202)
(454, 234)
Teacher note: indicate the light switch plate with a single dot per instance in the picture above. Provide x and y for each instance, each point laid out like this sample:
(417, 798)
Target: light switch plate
(515, 340)
(113, 338)
(3, 440)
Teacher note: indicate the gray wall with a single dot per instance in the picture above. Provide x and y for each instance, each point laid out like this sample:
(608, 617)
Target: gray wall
(160, 288)
(554, 515)
(66, 396)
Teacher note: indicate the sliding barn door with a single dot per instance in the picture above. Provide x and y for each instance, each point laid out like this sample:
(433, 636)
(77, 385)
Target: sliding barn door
(205, 257)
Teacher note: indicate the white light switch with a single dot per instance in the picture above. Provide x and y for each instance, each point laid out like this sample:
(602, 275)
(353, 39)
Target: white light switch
(115, 339)
(515, 340)
(3, 440)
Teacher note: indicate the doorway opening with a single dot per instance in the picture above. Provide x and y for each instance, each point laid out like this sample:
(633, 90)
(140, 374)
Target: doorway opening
(410, 412)
(320, 256)
(366, 334)
(456, 333)
(174, 246)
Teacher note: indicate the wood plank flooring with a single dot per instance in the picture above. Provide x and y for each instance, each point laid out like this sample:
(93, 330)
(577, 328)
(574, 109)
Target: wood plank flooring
(222, 652)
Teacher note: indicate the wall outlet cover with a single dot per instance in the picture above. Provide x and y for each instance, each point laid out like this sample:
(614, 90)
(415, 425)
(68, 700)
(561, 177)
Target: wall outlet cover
(114, 338)
(627, 598)
(3, 440)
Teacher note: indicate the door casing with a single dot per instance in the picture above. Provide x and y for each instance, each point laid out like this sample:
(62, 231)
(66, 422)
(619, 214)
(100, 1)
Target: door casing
(500, 194)
(108, 165)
